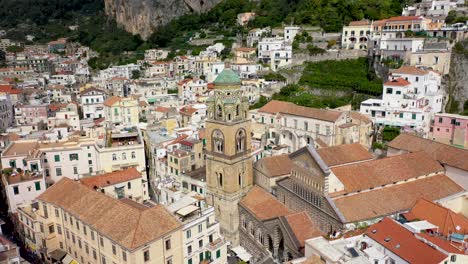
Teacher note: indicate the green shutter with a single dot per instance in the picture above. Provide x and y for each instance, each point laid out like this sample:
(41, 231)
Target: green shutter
(201, 256)
(57, 158)
(38, 186)
(218, 253)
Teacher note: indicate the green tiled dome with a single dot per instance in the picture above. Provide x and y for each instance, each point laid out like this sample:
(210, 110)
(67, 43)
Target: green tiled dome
(227, 77)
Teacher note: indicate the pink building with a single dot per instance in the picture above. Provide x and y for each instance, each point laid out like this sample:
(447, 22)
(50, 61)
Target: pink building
(450, 129)
(30, 114)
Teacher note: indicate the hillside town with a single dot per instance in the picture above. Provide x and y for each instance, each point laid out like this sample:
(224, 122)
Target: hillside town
(192, 159)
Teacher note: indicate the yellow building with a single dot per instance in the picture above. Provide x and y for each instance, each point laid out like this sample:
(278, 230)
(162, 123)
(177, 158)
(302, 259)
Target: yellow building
(228, 150)
(90, 227)
(122, 111)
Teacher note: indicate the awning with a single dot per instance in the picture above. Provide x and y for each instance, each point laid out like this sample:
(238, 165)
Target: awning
(187, 210)
(242, 253)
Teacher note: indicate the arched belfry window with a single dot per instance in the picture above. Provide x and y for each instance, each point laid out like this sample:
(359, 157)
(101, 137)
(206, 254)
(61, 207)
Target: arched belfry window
(237, 110)
(219, 111)
(240, 140)
(218, 141)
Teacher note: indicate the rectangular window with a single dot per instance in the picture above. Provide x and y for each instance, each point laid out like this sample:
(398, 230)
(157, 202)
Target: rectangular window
(218, 253)
(200, 228)
(146, 255)
(57, 158)
(401, 115)
(188, 233)
(114, 250)
(51, 229)
(168, 244)
(124, 256)
(59, 229)
(73, 156)
(15, 190)
(94, 254)
(75, 170)
(413, 116)
(101, 241)
(389, 90)
(92, 235)
(103, 260)
(58, 171)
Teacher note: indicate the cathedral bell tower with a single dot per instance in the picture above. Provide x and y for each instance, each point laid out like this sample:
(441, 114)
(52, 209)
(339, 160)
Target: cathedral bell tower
(228, 150)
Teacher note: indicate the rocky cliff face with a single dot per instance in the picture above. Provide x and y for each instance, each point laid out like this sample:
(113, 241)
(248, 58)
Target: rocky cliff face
(144, 16)
(458, 77)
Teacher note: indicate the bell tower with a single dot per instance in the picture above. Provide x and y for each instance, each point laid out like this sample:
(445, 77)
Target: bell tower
(228, 150)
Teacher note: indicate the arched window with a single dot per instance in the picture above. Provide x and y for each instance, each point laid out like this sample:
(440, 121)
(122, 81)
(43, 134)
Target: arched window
(218, 141)
(133, 155)
(124, 156)
(240, 180)
(219, 111)
(114, 156)
(237, 110)
(220, 179)
(240, 140)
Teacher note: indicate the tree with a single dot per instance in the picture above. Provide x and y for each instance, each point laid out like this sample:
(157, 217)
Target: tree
(136, 74)
(14, 49)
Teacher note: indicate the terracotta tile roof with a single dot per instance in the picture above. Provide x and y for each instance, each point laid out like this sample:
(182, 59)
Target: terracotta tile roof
(397, 82)
(403, 18)
(119, 79)
(92, 89)
(403, 243)
(142, 103)
(360, 117)
(374, 173)
(321, 143)
(56, 107)
(112, 100)
(302, 226)
(111, 178)
(410, 70)
(446, 219)
(343, 154)
(245, 49)
(275, 165)
(162, 109)
(451, 247)
(263, 205)
(179, 139)
(187, 110)
(445, 154)
(126, 225)
(9, 89)
(274, 107)
(396, 198)
(363, 22)
(184, 81)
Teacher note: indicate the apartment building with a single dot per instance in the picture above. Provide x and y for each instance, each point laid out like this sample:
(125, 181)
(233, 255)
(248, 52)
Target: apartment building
(6, 112)
(409, 99)
(126, 183)
(356, 35)
(190, 89)
(450, 129)
(31, 114)
(78, 157)
(275, 51)
(151, 90)
(121, 111)
(90, 227)
(296, 126)
(155, 54)
(22, 187)
(201, 235)
(92, 103)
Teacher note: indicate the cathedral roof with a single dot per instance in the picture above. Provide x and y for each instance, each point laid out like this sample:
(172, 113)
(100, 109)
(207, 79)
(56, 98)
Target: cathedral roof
(227, 77)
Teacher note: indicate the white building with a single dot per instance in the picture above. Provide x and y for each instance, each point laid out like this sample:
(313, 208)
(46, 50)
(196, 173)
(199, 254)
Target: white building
(121, 111)
(6, 112)
(150, 90)
(22, 187)
(409, 99)
(256, 34)
(275, 51)
(201, 233)
(92, 103)
(156, 54)
(127, 183)
(290, 33)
